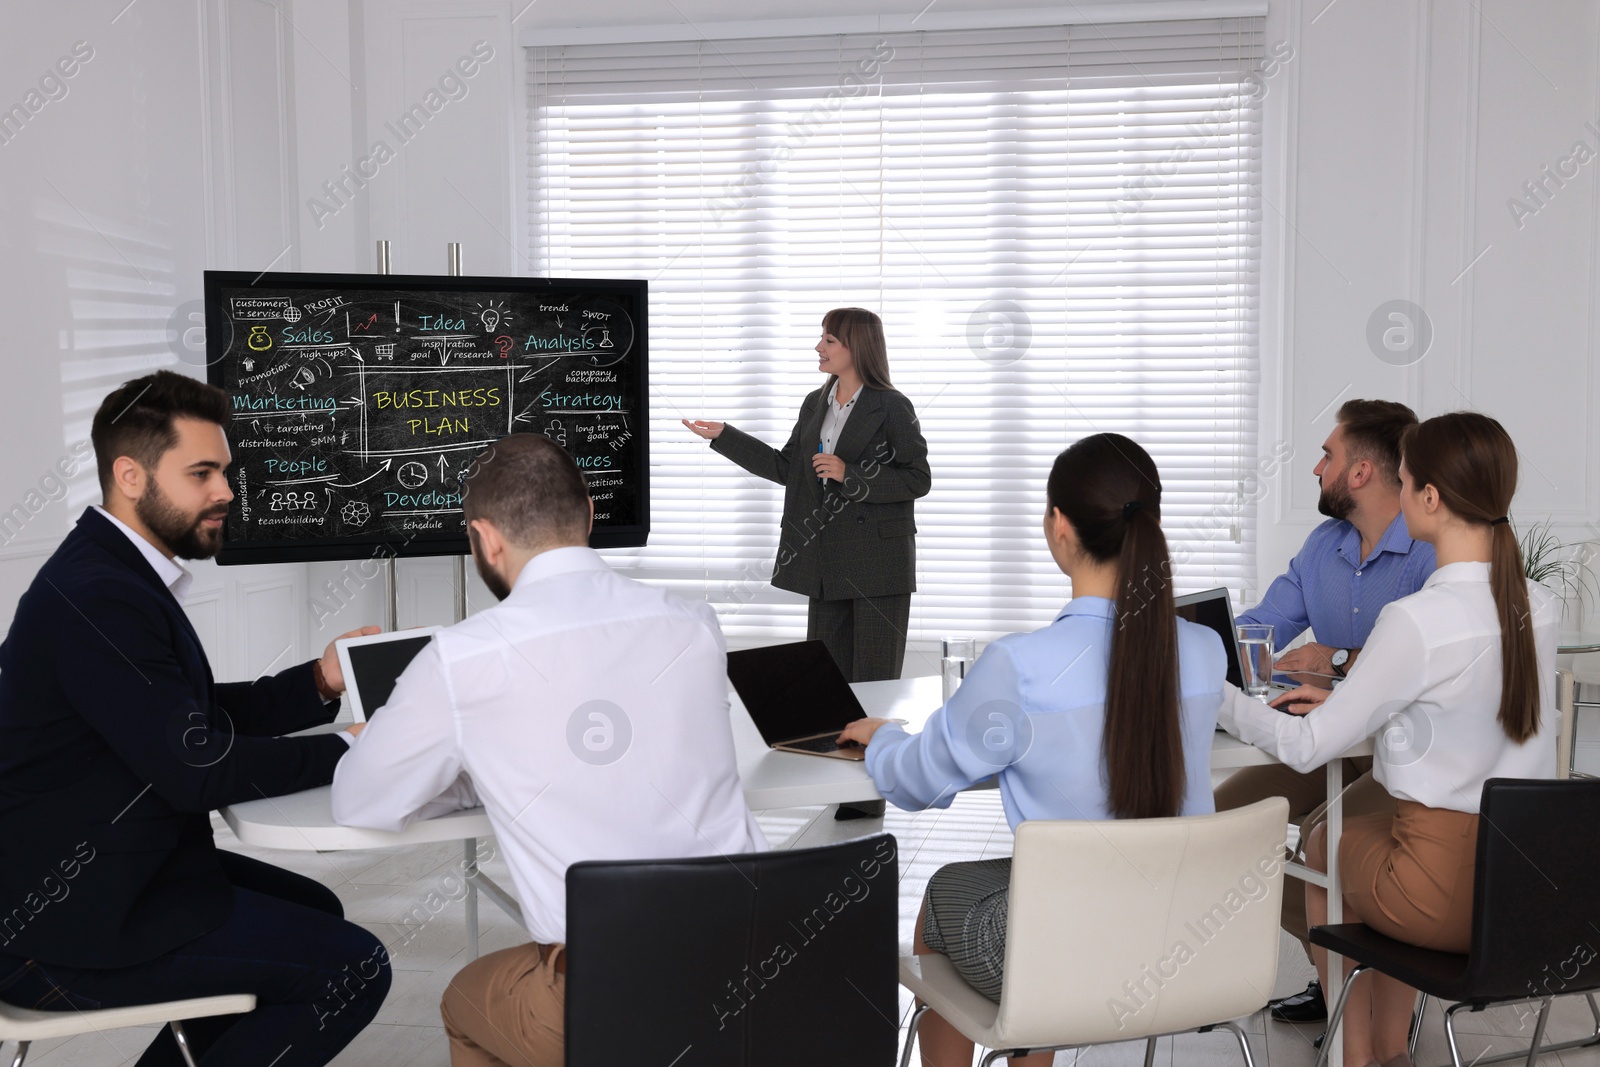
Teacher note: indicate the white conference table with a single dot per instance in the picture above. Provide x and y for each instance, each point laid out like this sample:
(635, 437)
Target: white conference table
(304, 821)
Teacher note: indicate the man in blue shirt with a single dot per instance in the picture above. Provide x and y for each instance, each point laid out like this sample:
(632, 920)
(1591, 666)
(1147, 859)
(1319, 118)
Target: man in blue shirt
(1349, 568)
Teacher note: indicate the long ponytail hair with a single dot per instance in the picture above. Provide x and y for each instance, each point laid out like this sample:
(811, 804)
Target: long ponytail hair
(1109, 489)
(1470, 460)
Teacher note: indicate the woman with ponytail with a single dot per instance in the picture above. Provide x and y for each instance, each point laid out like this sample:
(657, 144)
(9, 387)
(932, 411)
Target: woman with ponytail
(1455, 682)
(1107, 713)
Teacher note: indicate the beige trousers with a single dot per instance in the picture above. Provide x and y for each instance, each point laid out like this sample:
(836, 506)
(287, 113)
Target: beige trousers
(507, 1009)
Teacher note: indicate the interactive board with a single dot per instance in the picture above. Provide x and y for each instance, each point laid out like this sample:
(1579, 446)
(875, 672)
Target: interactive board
(357, 403)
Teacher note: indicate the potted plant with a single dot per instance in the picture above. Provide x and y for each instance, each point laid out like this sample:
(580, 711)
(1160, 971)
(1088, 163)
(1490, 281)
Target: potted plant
(1560, 566)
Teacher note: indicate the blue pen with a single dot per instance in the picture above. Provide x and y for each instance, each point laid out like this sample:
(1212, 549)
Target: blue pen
(820, 479)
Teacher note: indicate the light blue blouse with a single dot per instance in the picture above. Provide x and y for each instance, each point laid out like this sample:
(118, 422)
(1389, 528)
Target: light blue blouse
(1032, 710)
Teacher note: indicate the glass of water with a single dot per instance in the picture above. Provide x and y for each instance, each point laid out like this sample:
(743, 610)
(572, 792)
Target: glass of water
(1255, 652)
(959, 652)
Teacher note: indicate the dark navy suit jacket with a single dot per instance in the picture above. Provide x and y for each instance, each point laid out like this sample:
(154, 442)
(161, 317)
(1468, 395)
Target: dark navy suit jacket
(115, 744)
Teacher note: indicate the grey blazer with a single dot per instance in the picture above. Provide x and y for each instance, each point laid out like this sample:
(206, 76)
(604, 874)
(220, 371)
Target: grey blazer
(851, 539)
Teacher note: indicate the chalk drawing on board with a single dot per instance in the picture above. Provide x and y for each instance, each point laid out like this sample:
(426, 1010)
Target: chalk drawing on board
(492, 315)
(426, 378)
(412, 475)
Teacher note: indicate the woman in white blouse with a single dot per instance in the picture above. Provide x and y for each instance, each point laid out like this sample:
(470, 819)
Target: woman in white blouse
(1455, 684)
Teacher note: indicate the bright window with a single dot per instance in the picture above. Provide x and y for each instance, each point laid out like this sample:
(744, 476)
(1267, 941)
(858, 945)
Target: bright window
(1060, 227)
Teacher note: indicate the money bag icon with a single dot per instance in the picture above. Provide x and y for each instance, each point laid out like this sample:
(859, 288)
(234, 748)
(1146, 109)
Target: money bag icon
(259, 339)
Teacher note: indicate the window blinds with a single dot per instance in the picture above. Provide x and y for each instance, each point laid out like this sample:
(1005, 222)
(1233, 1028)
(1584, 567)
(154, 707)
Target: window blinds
(1060, 227)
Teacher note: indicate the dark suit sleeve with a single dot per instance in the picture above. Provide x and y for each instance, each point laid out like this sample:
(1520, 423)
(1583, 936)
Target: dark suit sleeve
(898, 468)
(276, 704)
(759, 458)
(118, 668)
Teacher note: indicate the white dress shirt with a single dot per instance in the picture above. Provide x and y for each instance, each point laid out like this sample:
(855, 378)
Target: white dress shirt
(837, 414)
(591, 713)
(171, 573)
(1427, 686)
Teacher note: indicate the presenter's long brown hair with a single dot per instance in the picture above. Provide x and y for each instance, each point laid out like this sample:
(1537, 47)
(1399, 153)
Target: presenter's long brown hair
(861, 332)
(1109, 489)
(1470, 460)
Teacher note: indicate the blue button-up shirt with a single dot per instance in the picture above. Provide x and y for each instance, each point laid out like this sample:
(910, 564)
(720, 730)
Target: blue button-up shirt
(1335, 592)
(1032, 710)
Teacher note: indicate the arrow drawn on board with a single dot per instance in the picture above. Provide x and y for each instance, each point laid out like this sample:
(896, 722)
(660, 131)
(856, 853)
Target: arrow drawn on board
(540, 370)
(442, 470)
(355, 401)
(386, 465)
(523, 416)
(559, 324)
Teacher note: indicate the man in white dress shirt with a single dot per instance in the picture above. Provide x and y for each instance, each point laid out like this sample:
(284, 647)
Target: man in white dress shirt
(587, 711)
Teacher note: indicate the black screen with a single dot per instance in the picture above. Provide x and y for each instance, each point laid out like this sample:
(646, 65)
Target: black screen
(1212, 609)
(378, 665)
(357, 402)
(794, 690)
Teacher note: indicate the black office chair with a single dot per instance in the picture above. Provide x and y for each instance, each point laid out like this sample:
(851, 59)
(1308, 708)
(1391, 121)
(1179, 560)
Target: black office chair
(765, 960)
(1537, 888)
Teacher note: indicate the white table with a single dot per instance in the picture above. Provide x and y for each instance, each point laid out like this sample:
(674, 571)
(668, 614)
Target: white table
(304, 821)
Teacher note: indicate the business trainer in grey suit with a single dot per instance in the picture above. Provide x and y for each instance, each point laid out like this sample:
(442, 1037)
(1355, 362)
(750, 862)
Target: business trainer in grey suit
(850, 471)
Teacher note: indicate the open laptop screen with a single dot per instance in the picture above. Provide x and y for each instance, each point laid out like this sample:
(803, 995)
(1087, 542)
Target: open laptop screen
(792, 690)
(1213, 608)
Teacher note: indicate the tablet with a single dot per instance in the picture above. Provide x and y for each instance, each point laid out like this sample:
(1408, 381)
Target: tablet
(373, 664)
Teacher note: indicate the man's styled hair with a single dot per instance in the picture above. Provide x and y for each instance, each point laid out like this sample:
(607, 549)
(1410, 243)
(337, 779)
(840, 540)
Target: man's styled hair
(531, 490)
(1372, 431)
(136, 420)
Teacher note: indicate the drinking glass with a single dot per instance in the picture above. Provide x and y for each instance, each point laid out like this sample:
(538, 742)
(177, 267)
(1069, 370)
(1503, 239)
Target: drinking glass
(959, 653)
(1255, 653)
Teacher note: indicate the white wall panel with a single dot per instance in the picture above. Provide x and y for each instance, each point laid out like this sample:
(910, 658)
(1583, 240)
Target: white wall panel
(1408, 128)
(1530, 359)
(452, 135)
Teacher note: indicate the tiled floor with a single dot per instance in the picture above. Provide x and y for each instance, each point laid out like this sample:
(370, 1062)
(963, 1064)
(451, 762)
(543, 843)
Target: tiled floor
(380, 889)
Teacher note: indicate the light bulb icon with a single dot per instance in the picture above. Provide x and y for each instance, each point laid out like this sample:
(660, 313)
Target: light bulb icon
(491, 319)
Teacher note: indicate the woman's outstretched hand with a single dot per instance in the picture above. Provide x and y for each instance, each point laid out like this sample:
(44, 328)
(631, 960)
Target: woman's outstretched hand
(709, 430)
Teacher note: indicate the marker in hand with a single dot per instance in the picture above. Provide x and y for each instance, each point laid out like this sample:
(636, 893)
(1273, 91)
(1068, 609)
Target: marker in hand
(820, 479)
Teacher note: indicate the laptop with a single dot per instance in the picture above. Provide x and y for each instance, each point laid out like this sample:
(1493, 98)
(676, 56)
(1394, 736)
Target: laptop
(373, 664)
(797, 697)
(1213, 608)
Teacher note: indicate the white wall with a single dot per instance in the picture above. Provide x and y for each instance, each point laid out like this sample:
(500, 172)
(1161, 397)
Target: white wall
(198, 132)
(1400, 132)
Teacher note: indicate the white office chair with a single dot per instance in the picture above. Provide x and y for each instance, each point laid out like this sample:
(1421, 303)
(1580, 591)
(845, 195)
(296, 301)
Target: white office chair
(1097, 915)
(25, 1026)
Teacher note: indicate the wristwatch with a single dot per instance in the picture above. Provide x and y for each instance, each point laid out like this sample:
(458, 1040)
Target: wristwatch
(1340, 657)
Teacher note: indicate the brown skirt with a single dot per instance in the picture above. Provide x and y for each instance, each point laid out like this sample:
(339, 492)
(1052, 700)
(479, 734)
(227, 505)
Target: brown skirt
(1409, 876)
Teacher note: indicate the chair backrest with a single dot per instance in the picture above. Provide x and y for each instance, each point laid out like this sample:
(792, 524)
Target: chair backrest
(1536, 889)
(763, 960)
(1131, 927)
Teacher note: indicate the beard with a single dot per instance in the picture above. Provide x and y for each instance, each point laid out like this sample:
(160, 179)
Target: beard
(491, 578)
(1336, 501)
(183, 534)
